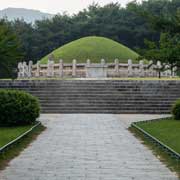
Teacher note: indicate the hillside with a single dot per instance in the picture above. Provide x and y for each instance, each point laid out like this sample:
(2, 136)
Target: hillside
(93, 48)
(28, 15)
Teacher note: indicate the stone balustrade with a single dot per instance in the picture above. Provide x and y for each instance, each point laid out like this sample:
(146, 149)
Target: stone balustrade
(91, 70)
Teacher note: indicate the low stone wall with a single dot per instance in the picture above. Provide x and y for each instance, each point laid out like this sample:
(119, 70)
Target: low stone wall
(91, 70)
(101, 96)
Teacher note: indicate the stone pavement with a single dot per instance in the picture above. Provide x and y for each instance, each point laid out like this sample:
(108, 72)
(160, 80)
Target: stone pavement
(87, 147)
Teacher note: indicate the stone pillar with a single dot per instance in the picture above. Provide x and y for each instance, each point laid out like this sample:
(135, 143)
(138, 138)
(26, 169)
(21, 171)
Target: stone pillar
(38, 69)
(150, 69)
(25, 69)
(88, 62)
(50, 69)
(74, 68)
(130, 68)
(159, 66)
(60, 68)
(103, 62)
(116, 67)
(30, 69)
(141, 68)
(166, 68)
(174, 71)
(20, 70)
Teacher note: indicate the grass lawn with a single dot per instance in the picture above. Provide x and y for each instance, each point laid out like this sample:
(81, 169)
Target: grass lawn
(9, 134)
(168, 132)
(93, 48)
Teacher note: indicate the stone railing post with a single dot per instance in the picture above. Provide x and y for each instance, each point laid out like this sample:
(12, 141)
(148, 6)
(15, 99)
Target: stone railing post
(30, 69)
(158, 67)
(141, 68)
(19, 70)
(50, 68)
(74, 68)
(116, 67)
(25, 69)
(103, 62)
(166, 71)
(130, 69)
(151, 69)
(61, 68)
(37, 69)
(174, 71)
(88, 63)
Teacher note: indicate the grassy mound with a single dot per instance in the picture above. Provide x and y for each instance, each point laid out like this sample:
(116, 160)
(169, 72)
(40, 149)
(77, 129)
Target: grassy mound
(93, 48)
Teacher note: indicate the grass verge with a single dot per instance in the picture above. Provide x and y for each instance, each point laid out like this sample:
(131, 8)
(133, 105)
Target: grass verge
(11, 133)
(168, 132)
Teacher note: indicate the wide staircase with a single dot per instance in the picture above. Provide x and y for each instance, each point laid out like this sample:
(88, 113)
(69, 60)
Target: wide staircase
(100, 96)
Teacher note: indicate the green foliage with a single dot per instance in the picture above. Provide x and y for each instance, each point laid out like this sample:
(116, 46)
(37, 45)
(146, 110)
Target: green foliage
(176, 110)
(9, 50)
(167, 49)
(26, 36)
(18, 108)
(93, 48)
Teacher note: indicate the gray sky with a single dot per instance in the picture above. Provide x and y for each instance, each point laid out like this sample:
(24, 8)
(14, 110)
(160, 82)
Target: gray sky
(55, 6)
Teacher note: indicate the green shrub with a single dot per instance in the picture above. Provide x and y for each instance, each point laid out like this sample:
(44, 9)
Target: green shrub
(18, 108)
(176, 110)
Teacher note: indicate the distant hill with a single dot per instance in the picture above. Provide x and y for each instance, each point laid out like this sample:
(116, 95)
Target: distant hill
(28, 15)
(93, 48)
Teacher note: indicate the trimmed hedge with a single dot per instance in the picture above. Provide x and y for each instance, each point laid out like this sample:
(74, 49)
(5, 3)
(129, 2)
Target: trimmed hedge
(176, 110)
(18, 108)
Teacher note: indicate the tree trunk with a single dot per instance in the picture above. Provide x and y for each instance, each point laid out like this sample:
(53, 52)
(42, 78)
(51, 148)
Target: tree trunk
(159, 74)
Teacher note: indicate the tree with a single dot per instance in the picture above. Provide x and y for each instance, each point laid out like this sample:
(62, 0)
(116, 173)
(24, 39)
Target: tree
(9, 51)
(167, 51)
(128, 25)
(26, 35)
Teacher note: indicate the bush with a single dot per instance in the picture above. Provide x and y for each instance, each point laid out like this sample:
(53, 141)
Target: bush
(176, 110)
(18, 108)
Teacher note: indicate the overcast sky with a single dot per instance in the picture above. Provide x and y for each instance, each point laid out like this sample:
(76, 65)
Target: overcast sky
(55, 6)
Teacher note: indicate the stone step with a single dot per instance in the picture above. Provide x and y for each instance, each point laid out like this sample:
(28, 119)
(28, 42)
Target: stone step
(101, 96)
(102, 102)
(102, 91)
(110, 107)
(108, 93)
(103, 107)
(96, 88)
(122, 111)
(91, 86)
(106, 97)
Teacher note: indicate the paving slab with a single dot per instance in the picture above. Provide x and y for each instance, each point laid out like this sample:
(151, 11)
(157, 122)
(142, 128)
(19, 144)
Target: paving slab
(87, 147)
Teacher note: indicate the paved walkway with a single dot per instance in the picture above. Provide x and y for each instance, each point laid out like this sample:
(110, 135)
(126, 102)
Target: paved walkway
(87, 147)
